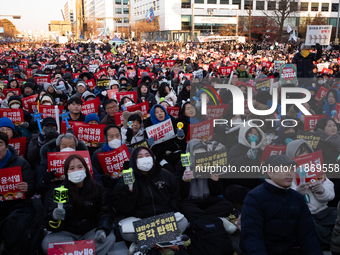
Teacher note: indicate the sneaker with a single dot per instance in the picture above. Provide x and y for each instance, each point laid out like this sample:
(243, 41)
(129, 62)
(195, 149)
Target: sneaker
(132, 249)
(229, 227)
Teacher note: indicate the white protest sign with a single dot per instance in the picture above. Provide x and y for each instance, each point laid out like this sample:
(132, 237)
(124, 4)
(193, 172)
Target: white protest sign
(92, 68)
(320, 34)
(161, 132)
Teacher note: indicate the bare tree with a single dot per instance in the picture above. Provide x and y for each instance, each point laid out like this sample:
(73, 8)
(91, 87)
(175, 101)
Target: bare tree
(281, 12)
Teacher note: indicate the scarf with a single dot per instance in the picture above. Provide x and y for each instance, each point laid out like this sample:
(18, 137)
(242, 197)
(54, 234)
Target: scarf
(333, 140)
(6, 158)
(107, 148)
(199, 188)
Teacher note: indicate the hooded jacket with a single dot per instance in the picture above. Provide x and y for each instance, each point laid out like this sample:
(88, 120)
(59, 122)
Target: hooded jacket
(147, 98)
(280, 140)
(184, 94)
(153, 194)
(327, 108)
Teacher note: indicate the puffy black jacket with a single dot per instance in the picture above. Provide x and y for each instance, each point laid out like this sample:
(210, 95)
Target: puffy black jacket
(148, 97)
(275, 220)
(305, 65)
(97, 212)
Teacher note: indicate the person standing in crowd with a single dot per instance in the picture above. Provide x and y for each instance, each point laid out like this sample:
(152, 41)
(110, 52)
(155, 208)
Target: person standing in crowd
(304, 60)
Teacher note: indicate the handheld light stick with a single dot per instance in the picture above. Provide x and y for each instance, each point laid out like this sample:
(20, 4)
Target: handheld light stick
(129, 177)
(302, 173)
(37, 117)
(180, 132)
(60, 196)
(253, 139)
(65, 116)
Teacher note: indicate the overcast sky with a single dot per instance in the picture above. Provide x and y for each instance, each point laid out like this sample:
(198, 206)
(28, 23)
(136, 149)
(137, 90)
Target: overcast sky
(35, 14)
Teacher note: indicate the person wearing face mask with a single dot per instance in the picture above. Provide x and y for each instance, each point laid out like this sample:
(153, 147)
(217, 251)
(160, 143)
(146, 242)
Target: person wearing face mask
(304, 60)
(153, 87)
(4, 103)
(155, 191)
(88, 214)
(316, 196)
(47, 100)
(286, 134)
(125, 102)
(49, 127)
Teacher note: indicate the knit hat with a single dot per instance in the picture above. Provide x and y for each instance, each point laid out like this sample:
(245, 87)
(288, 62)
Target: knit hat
(28, 85)
(48, 120)
(122, 77)
(122, 87)
(90, 117)
(87, 94)
(46, 98)
(82, 83)
(14, 100)
(6, 122)
(47, 85)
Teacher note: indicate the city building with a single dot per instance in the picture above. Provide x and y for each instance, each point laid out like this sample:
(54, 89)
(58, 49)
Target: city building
(89, 9)
(70, 11)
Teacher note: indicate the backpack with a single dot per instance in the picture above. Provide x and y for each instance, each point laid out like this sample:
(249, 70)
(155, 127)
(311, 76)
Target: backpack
(21, 233)
(208, 237)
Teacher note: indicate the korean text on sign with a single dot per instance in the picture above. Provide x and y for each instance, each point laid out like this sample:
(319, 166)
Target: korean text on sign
(161, 132)
(9, 178)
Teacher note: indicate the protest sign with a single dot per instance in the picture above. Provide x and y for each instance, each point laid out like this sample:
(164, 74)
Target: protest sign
(103, 83)
(40, 80)
(203, 130)
(63, 127)
(143, 143)
(263, 85)
(15, 115)
(49, 110)
(225, 70)
(9, 71)
(29, 72)
(20, 81)
(90, 106)
(56, 161)
(140, 72)
(91, 83)
(322, 92)
(92, 68)
(112, 72)
(311, 120)
(26, 100)
(99, 74)
(131, 74)
(16, 91)
(161, 132)
(119, 118)
(320, 34)
(173, 111)
(277, 64)
(19, 144)
(169, 63)
(76, 76)
(206, 161)
(312, 164)
(131, 94)
(143, 107)
(112, 162)
(288, 73)
(313, 139)
(216, 111)
(82, 247)
(321, 66)
(111, 94)
(10, 177)
(270, 150)
(155, 229)
(91, 134)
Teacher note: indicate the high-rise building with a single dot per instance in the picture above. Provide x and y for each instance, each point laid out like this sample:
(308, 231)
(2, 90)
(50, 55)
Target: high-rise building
(70, 11)
(89, 8)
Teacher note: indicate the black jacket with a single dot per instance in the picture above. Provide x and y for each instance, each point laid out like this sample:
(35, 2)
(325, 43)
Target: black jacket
(97, 212)
(147, 98)
(305, 65)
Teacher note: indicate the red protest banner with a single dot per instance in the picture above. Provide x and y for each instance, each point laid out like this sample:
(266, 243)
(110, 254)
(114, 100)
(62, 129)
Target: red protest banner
(252, 69)
(91, 134)
(63, 127)
(32, 106)
(26, 100)
(76, 76)
(112, 93)
(104, 66)
(131, 94)
(214, 65)
(321, 93)
(156, 61)
(112, 161)
(188, 75)
(132, 65)
(82, 247)
(173, 111)
(140, 72)
(143, 107)
(19, 144)
(225, 70)
(91, 83)
(16, 91)
(21, 82)
(161, 132)
(169, 63)
(90, 106)
(311, 120)
(10, 177)
(216, 111)
(49, 110)
(9, 71)
(100, 73)
(203, 130)
(270, 150)
(29, 72)
(266, 64)
(311, 163)
(15, 115)
(41, 80)
(204, 66)
(235, 65)
(119, 118)
(112, 72)
(131, 74)
(25, 61)
(56, 161)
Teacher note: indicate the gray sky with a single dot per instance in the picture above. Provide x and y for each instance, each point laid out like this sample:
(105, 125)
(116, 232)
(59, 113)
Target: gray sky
(35, 14)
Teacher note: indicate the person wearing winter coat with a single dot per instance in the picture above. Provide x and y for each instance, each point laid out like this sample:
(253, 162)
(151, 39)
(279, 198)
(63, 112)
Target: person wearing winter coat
(144, 95)
(286, 134)
(316, 196)
(165, 91)
(111, 107)
(49, 88)
(88, 213)
(135, 133)
(184, 94)
(304, 60)
(275, 218)
(241, 71)
(81, 87)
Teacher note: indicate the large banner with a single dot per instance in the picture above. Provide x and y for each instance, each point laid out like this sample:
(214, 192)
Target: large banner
(320, 34)
(91, 134)
(82, 247)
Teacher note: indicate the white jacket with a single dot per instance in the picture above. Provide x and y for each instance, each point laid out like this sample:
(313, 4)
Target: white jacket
(316, 203)
(136, 138)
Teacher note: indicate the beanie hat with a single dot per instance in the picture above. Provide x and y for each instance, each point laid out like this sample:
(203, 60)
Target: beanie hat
(47, 85)
(86, 95)
(46, 98)
(81, 83)
(28, 85)
(48, 120)
(6, 122)
(90, 117)
(14, 99)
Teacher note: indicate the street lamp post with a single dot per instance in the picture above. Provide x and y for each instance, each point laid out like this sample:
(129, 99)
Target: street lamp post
(211, 12)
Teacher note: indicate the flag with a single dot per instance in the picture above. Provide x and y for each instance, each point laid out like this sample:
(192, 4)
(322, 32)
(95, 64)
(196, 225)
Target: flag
(292, 36)
(150, 15)
(289, 29)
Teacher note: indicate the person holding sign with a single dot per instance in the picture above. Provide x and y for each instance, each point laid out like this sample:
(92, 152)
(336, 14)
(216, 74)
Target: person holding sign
(155, 191)
(87, 215)
(132, 130)
(316, 196)
(304, 60)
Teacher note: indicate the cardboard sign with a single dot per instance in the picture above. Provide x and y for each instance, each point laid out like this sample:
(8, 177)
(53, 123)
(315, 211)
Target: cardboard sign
(216, 111)
(210, 158)
(91, 83)
(100, 73)
(155, 229)
(169, 63)
(270, 150)
(91, 134)
(112, 162)
(313, 139)
(27, 100)
(56, 161)
(263, 85)
(225, 70)
(321, 93)
(143, 107)
(82, 247)
(311, 120)
(288, 73)
(90, 106)
(173, 111)
(203, 130)
(119, 118)
(41, 80)
(19, 144)
(311, 163)
(17, 92)
(131, 94)
(161, 132)
(15, 115)
(103, 83)
(63, 127)
(9, 178)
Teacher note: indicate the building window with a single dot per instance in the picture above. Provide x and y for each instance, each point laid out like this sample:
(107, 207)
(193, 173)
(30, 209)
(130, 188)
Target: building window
(125, 2)
(271, 6)
(304, 7)
(335, 7)
(118, 10)
(126, 10)
(199, 1)
(293, 6)
(158, 5)
(126, 20)
(119, 21)
(247, 4)
(186, 22)
(282, 5)
(325, 7)
(224, 1)
(211, 1)
(135, 11)
(186, 4)
(238, 2)
(118, 1)
(259, 5)
(315, 7)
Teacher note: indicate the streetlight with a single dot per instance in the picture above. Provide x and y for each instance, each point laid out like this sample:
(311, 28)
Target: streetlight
(211, 12)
